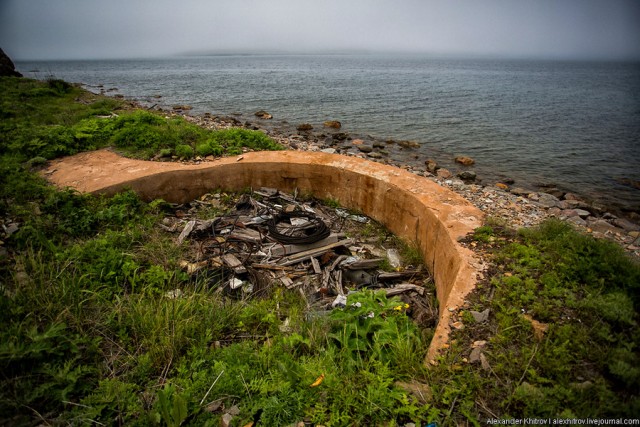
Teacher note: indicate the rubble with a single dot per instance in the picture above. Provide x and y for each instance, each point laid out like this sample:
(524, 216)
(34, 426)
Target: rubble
(244, 245)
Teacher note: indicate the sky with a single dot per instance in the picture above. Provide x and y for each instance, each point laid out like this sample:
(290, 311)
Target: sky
(96, 29)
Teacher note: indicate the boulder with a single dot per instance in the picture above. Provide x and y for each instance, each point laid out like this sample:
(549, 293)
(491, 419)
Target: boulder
(602, 226)
(464, 160)
(333, 124)
(263, 115)
(7, 69)
(626, 225)
(305, 127)
(467, 175)
(443, 173)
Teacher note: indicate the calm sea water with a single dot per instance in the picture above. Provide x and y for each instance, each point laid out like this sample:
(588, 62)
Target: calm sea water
(573, 124)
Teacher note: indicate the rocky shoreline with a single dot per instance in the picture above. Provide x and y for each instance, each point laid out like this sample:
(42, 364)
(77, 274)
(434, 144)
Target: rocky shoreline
(516, 206)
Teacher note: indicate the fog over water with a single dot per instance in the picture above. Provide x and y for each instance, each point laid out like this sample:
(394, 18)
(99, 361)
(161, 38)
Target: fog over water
(80, 29)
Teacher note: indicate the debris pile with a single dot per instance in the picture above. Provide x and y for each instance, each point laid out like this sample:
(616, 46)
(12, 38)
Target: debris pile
(244, 246)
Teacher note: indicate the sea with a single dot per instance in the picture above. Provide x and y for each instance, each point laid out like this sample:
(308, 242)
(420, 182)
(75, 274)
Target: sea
(574, 125)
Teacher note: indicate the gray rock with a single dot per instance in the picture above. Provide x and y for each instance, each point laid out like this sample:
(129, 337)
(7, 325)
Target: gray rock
(602, 226)
(519, 191)
(374, 155)
(547, 200)
(480, 317)
(582, 213)
(577, 221)
(626, 225)
(365, 148)
(379, 145)
(329, 150)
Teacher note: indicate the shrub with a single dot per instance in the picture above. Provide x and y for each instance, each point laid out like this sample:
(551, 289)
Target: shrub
(184, 151)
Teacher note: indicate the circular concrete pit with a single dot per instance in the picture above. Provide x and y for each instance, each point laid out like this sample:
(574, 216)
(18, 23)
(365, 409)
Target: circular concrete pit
(414, 208)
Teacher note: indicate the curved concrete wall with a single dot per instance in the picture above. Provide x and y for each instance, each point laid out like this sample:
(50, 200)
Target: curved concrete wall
(412, 207)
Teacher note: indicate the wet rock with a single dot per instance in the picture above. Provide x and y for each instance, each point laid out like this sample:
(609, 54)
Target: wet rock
(431, 164)
(464, 160)
(443, 173)
(182, 107)
(365, 148)
(334, 124)
(263, 115)
(408, 144)
(357, 142)
(379, 145)
(305, 127)
(467, 175)
(340, 136)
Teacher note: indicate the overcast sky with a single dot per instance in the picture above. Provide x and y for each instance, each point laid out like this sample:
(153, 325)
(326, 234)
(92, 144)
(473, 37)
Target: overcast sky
(90, 29)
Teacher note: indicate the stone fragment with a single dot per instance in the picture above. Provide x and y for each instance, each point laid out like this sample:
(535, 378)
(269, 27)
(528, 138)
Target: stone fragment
(305, 127)
(329, 150)
(577, 221)
(365, 148)
(582, 213)
(464, 160)
(375, 155)
(519, 191)
(475, 355)
(357, 142)
(226, 419)
(458, 325)
(480, 317)
(502, 186)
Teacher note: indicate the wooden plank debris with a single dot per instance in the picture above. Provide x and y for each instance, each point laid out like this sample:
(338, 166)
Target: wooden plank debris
(234, 263)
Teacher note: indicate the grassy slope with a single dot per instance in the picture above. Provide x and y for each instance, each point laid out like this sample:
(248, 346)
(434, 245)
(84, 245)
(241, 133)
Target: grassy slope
(88, 334)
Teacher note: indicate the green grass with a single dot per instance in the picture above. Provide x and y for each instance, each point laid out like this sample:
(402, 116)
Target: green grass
(88, 333)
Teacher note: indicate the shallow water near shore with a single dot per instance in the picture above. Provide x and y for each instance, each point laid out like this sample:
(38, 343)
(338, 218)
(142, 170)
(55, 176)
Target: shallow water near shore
(572, 124)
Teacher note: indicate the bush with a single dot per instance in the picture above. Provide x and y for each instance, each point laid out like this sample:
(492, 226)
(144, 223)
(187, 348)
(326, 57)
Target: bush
(184, 151)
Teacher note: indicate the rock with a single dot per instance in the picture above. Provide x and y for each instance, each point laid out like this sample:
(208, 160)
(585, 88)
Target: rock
(467, 175)
(475, 355)
(226, 419)
(365, 148)
(333, 124)
(340, 136)
(626, 225)
(571, 196)
(305, 127)
(375, 155)
(379, 145)
(182, 107)
(480, 317)
(577, 221)
(408, 144)
(263, 115)
(432, 166)
(582, 213)
(464, 160)
(7, 68)
(569, 204)
(458, 325)
(547, 200)
(519, 191)
(502, 186)
(443, 173)
(329, 150)
(602, 226)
